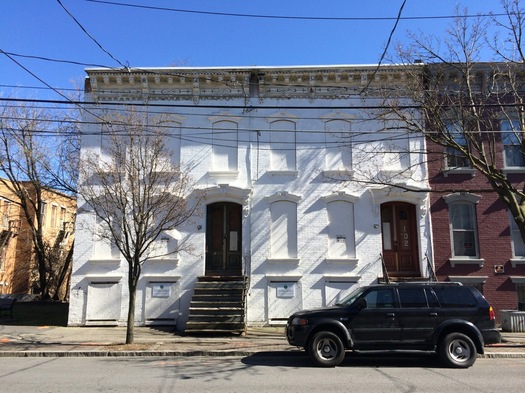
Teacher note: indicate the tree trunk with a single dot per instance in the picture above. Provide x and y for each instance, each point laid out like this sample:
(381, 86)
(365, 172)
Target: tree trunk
(64, 274)
(130, 327)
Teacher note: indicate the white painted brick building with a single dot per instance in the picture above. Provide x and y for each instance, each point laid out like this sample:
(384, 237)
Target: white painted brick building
(284, 157)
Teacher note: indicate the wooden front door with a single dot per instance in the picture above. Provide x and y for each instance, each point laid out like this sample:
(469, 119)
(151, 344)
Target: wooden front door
(223, 239)
(400, 241)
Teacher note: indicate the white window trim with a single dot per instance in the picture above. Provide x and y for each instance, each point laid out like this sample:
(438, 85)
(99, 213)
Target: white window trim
(509, 169)
(516, 261)
(472, 199)
(469, 280)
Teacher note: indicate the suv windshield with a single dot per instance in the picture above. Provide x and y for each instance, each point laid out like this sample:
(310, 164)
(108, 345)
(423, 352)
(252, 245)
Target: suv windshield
(349, 299)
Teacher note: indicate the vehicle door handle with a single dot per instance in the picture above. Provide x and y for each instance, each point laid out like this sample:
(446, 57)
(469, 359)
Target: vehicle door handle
(390, 315)
(433, 314)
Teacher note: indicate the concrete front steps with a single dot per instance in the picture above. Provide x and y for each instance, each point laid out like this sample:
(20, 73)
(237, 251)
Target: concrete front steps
(218, 305)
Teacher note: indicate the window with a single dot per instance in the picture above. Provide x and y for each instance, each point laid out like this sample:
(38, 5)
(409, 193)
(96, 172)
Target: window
(4, 241)
(395, 154)
(224, 146)
(512, 148)
(463, 229)
(54, 212)
(338, 145)
(520, 289)
(413, 298)
(283, 229)
(454, 158)
(282, 146)
(4, 213)
(43, 213)
(518, 246)
(62, 216)
(380, 298)
(341, 243)
(455, 296)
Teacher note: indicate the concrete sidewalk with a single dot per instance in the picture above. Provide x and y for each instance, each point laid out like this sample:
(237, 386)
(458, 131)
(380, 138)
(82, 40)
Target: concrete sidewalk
(52, 341)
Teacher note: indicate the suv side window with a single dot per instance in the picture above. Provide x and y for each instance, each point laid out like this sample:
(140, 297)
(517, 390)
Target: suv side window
(380, 298)
(413, 298)
(455, 296)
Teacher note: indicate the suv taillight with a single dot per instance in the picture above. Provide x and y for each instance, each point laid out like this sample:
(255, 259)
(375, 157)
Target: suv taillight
(492, 314)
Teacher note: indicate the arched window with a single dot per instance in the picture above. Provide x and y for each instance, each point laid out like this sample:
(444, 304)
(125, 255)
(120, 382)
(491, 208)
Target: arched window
(225, 139)
(463, 224)
(341, 237)
(282, 145)
(338, 145)
(283, 229)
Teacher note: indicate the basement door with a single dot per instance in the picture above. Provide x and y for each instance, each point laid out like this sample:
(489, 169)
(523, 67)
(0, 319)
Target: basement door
(223, 239)
(400, 242)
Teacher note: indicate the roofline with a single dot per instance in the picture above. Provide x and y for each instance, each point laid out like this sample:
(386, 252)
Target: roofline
(241, 68)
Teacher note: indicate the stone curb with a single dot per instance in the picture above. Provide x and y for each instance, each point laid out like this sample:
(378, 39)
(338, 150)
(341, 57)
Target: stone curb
(56, 354)
(35, 354)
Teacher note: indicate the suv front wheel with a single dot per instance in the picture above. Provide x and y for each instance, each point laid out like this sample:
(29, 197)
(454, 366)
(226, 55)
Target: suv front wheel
(457, 350)
(326, 349)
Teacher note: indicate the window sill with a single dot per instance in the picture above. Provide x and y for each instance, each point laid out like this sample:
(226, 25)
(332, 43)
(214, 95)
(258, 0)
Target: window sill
(229, 174)
(284, 173)
(284, 260)
(104, 261)
(339, 173)
(469, 280)
(517, 261)
(341, 278)
(466, 261)
(156, 260)
(342, 260)
(514, 170)
(459, 171)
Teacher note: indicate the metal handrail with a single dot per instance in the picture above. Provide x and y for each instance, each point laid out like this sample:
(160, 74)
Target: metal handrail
(431, 273)
(385, 273)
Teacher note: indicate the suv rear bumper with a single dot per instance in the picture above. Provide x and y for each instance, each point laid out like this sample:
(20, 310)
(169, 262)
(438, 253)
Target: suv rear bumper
(491, 336)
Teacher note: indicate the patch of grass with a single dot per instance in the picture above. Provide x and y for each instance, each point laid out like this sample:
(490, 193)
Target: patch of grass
(37, 313)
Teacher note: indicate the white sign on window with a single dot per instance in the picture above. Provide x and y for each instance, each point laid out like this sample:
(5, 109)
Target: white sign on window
(161, 290)
(233, 241)
(285, 290)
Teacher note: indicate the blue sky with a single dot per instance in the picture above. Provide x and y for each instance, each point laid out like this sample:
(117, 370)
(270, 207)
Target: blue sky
(141, 37)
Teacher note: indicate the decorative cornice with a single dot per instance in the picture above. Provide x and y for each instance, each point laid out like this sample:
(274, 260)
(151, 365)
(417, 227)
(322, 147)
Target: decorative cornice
(195, 84)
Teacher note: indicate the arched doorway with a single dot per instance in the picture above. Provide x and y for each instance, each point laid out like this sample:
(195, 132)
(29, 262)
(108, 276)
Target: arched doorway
(400, 239)
(223, 239)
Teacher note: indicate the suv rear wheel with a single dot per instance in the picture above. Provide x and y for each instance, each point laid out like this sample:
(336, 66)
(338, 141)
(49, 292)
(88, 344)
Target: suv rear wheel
(457, 350)
(326, 349)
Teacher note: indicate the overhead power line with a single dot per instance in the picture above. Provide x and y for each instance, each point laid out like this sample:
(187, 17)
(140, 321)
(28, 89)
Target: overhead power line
(90, 36)
(244, 107)
(386, 46)
(294, 17)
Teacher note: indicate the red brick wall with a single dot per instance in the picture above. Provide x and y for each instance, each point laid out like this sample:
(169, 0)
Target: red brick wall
(494, 238)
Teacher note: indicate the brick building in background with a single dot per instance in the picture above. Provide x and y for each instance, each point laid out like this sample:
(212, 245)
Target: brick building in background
(18, 274)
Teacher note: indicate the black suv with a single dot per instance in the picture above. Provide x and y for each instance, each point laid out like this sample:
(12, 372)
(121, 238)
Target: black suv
(453, 320)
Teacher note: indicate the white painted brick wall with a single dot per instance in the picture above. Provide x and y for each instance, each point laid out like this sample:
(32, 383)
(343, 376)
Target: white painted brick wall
(312, 270)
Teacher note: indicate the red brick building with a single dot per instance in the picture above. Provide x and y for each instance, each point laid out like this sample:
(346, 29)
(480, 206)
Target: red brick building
(474, 239)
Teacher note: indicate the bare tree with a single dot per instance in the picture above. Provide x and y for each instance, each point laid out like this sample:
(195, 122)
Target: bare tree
(469, 110)
(28, 169)
(136, 193)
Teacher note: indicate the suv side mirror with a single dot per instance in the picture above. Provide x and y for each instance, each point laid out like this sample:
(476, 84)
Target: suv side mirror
(361, 303)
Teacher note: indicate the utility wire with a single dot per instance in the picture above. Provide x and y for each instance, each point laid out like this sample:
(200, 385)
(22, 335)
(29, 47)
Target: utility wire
(91, 37)
(248, 107)
(386, 46)
(260, 16)
(68, 100)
